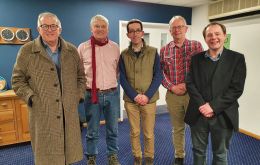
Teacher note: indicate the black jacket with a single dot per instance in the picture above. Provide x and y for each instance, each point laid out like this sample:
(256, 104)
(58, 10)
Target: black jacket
(226, 85)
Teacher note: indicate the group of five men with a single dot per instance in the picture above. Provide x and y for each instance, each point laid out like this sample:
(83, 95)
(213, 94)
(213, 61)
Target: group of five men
(52, 77)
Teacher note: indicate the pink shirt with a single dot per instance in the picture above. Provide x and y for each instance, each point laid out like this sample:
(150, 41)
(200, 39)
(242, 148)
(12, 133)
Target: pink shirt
(107, 58)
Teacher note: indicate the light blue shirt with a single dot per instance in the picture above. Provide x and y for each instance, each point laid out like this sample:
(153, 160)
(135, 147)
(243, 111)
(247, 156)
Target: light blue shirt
(207, 55)
(55, 56)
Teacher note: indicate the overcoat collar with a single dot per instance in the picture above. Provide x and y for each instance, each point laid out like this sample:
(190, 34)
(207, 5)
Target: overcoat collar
(38, 47)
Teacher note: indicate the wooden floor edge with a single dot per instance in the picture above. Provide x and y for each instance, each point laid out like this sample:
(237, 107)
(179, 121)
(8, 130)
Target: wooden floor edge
(249, 133)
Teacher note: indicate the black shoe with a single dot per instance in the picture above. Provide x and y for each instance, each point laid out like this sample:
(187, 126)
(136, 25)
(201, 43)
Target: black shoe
(178, 161)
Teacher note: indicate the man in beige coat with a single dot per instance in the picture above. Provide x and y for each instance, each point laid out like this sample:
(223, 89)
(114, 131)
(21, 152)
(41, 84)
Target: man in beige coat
(48, 76)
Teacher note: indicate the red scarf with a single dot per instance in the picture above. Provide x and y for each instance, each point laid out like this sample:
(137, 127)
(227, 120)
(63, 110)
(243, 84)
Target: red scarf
(94, 98)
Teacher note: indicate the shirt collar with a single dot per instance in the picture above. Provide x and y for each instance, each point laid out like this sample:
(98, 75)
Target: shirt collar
(143, 45)
(172, 44)
(207, 55)
(45, 45)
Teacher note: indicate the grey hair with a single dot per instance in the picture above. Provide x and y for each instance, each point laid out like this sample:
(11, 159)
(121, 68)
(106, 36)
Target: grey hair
(98, 17)
(48, 14)
(175, 18)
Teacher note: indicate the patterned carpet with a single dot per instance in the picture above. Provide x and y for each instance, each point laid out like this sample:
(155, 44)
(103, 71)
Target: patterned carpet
(244, 150)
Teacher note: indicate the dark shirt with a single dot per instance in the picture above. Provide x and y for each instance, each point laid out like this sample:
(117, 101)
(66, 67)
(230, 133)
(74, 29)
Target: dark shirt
(210, 67)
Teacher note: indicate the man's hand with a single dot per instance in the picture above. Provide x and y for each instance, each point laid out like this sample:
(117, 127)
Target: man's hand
(179, 89)
(138, 98)
(144, 100)
(206, 110)
(141, 99)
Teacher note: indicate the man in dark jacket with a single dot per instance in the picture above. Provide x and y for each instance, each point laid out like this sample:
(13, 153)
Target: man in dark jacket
(215, 82)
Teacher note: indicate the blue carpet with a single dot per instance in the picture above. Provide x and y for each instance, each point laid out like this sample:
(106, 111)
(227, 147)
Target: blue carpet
(244, 150)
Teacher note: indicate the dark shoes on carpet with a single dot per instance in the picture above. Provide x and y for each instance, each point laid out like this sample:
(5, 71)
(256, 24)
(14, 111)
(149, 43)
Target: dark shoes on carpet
(137, 161)
(148, 161)
(112, 160)
(178, 161)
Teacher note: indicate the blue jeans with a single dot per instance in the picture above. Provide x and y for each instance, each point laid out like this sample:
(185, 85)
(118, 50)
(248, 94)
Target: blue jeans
(108, 104)
(220, 139)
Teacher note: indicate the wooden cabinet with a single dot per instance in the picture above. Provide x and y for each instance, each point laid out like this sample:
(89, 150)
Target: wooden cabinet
(14, 123)
(22, 120)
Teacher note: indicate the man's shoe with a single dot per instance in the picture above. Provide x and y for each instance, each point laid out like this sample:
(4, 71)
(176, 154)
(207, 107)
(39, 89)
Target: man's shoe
(149, 161)
(137, 161)
(113, 159)
(91, 160)
(178, 161)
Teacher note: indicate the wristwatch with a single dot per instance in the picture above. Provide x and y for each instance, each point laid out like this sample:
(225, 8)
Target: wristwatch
(7, 34)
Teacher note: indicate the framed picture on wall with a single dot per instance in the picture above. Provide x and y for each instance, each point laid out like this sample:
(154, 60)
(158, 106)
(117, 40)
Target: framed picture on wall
(14, 35)
(7, 34)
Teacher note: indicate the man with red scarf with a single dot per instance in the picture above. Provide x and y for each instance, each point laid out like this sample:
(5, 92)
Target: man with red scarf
(100, 58)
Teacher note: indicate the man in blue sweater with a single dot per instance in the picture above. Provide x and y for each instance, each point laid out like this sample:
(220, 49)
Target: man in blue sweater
(140, 77)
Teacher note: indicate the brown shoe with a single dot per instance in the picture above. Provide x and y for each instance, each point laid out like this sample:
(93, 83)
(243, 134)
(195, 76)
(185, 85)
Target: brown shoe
(113, 159)
(149, 161)
(137, 161)
(91, 160)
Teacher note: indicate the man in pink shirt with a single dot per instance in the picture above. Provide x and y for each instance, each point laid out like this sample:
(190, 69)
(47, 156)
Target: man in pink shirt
(100, 58)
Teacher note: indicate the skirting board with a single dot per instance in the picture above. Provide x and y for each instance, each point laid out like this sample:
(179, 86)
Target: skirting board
(249, 134)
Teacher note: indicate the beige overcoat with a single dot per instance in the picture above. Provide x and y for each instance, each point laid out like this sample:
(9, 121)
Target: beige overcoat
(53, 115)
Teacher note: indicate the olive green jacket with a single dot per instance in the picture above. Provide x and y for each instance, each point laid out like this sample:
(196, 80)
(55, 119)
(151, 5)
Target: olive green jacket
(139, 70)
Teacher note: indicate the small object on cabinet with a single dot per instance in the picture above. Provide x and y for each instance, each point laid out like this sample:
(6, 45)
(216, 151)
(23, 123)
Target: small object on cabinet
(2, 84)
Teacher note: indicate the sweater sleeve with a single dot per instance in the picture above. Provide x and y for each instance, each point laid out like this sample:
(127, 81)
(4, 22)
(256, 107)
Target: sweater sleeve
(157, 78)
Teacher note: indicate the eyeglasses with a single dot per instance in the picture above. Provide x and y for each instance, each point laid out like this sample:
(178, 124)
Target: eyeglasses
(178, 27)
(100, 26)
(53, 27)
(138, 31)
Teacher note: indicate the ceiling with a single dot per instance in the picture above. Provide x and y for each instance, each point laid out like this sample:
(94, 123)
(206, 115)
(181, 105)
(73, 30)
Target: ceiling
(186, 3)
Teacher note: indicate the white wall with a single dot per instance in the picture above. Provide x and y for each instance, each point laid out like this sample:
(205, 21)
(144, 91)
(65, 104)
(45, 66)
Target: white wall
(198, 22)
(245, 38)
